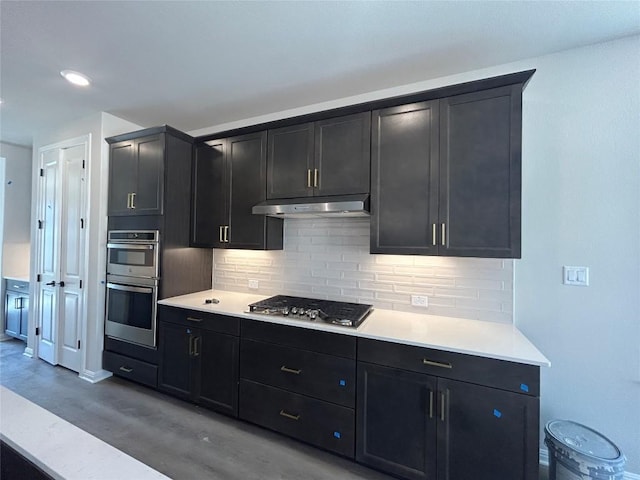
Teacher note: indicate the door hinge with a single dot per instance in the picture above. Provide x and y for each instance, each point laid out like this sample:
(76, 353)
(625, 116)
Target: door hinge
(78, 344)
(38, 277)
(42, 172)
(37, 331)
(40, 223)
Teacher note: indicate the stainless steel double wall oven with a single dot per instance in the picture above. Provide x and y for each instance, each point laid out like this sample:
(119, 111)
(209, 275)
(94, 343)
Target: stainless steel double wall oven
(132, 285)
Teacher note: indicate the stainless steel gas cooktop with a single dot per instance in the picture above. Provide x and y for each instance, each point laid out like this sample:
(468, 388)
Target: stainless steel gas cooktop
(337, 313)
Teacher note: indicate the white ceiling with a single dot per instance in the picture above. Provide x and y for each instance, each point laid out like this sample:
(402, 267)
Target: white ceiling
(194, 64)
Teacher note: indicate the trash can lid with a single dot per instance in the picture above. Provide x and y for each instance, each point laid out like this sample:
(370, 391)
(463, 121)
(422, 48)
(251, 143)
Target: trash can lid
(583, 439)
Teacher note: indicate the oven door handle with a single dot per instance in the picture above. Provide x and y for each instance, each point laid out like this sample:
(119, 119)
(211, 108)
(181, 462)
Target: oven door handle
(130, 246)
(128, 288)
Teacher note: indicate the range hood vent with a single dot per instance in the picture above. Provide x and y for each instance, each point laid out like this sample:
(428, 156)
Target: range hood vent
(330, 206)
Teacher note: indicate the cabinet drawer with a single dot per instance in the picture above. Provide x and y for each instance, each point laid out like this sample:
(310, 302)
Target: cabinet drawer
(515, 377)
(204, 320)
(319, 423)
(318, 375)
(16, 285)
(297, 337)
(131, 369)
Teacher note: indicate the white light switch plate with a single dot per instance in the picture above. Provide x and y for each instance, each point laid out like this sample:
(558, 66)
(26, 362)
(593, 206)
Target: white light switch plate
(575, 276)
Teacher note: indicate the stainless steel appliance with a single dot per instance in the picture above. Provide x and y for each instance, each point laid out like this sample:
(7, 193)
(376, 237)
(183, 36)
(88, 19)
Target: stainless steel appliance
(132, 285)
(337, 313)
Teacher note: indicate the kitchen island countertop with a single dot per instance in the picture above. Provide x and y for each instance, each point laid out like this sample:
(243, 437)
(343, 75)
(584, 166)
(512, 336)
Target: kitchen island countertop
(486, 339)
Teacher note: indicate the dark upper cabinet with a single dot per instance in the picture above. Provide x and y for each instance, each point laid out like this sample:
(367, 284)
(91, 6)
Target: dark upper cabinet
(327, 157)
(480, 178)
(136, 176)
(404, 179)
(290, 164)
(446, 176)
(229, 179)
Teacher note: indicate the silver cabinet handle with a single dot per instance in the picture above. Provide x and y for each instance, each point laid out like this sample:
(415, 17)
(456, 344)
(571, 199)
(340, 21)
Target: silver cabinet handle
(315, 177)
(431, 363)
(443, 234)
(194, 319)
(434, 240)
(220, 232)
(196, 346)
(126, 370)
(442, 405)
(308, 178)
(290, 370)
(133, 199)
(289, 415)
(226, 233)
(128, 201)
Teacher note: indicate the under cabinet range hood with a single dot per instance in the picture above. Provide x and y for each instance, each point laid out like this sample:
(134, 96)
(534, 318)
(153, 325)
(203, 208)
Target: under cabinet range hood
(330, 206)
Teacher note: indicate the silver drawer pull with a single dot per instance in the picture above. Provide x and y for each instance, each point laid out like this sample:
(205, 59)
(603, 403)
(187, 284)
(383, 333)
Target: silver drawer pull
(290, 370)
(126, 370)
(436, 364)
(193, 319)
(288, 415)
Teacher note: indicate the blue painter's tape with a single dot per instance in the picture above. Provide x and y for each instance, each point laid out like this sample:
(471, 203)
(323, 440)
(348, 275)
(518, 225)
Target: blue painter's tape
(497, 413)
(343, 383)
(337, 434)
(524, 387)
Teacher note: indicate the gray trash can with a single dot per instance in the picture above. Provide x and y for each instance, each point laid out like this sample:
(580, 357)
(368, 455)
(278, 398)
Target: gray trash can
(577, 452)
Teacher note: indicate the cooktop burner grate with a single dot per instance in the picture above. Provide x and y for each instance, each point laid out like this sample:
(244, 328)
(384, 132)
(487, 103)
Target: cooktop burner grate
(337, 313)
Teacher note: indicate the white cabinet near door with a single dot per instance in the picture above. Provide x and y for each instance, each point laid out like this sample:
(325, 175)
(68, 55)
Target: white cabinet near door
(60, 252)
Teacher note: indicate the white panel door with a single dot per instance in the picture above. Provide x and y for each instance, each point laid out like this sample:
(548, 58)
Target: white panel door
(49, 258)
(61, 262)
(71, 257)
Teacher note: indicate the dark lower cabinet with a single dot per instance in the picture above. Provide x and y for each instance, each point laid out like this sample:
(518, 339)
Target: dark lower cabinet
(420, 426)
(197, 363)
(314, 421)
(16, 309)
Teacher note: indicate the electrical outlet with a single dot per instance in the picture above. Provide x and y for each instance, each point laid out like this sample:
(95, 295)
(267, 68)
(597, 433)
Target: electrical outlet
(420, 301)
(254, 284)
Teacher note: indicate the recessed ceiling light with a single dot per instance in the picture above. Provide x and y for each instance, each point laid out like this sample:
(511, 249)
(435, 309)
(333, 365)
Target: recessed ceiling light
(75, 78)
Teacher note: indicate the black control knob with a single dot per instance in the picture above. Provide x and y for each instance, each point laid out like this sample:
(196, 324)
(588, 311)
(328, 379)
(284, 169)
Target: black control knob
(312, 314)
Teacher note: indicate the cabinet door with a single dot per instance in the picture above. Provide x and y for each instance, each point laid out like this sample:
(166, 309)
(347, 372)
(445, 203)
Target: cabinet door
(290, 162)
(343, 155)
(480, 173)
(396, 421)
(487, 433)
(247, 163)
(209, 207)
(12, 314)
(123, 172)
(175, 345)
(149, 190)
(24, 317)
(404, 173)
(217, 371)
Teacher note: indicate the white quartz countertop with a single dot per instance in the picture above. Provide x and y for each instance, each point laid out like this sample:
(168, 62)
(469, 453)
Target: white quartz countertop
(485, 339)
(61, 449)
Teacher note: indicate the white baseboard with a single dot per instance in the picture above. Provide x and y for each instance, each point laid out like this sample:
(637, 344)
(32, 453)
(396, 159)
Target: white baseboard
(28, 352)
(95, 377)
(544, 461)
